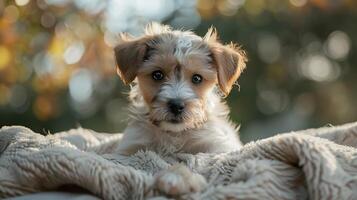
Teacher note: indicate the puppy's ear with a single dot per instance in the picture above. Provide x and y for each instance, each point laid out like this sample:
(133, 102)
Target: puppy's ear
(229, 61)
(130, 55)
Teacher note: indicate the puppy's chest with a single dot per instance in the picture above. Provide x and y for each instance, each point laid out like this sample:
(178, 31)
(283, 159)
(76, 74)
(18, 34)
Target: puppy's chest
(166, 144)
(205, 141)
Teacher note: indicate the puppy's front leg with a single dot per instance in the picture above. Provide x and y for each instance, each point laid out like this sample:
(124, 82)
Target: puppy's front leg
(178, 180)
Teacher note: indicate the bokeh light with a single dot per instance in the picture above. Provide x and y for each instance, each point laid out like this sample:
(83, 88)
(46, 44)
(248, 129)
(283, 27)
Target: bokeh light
(81, 85)
(338, 45)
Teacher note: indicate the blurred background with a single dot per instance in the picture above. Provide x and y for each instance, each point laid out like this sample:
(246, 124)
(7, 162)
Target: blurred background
(57, 68)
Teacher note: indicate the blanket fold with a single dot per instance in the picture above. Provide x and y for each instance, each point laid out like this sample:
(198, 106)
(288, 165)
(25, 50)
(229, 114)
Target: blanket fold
(310, 164)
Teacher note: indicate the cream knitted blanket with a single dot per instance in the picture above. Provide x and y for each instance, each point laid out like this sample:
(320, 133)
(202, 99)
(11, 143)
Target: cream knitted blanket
(311, 164)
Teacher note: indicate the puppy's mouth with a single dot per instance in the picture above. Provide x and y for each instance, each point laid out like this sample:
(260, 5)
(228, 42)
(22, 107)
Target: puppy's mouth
(177, 124)
(173, 124)
(175, 121)
(171, 121)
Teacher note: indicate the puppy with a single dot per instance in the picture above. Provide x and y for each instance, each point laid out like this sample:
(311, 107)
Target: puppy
(178, 81)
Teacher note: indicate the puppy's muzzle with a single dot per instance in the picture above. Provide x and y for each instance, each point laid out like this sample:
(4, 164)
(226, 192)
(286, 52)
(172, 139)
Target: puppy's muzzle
(176, 106)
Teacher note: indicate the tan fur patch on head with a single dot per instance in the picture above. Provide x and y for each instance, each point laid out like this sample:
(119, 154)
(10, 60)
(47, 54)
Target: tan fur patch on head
(148, 86)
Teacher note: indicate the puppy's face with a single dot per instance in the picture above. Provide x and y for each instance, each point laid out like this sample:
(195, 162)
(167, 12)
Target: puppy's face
(175, 84)
(176, 73)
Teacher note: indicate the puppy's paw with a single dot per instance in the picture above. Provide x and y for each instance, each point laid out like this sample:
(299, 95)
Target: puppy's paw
(179, 180)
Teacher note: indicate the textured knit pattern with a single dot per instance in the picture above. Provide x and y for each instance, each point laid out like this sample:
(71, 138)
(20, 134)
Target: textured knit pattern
(311, 164)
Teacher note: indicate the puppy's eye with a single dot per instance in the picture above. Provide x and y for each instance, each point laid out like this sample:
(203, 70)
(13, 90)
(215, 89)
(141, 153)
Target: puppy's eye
(196, 79)
(157, 75)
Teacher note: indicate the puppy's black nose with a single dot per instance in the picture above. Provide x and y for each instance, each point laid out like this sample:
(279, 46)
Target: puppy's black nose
(176, 106)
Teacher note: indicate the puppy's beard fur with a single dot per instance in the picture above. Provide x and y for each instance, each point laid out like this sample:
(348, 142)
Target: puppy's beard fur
(193, 116)
(157, 114)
